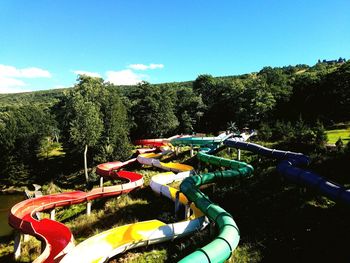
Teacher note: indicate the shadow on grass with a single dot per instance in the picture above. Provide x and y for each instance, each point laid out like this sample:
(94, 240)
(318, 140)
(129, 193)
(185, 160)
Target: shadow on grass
(283, 222)
(139, 205)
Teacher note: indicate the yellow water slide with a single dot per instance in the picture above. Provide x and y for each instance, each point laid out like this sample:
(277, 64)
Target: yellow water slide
(105, 245)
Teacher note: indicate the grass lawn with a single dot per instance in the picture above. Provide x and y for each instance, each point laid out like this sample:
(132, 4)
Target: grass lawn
(334, 135)
(277, 219)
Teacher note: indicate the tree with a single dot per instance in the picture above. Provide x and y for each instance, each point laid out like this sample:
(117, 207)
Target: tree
(203, 85)
(189, 108)
(84, 113)
(339, 145)
(86, 127)
(21, 130)
(232, 127)
(153, 111)
(45, 147)
(320, 136)
(96, 119)
(264, 131)
(115, 144)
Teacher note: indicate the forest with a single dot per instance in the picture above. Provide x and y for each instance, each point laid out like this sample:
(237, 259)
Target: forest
(56, 138)
(289, 104)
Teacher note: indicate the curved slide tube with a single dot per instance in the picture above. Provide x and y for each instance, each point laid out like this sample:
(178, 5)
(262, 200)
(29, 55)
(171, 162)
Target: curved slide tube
(288, 168)
(211, 142)
(57, 237)
(220, 249)
(158, 142)
(151, 159)
(105, 245)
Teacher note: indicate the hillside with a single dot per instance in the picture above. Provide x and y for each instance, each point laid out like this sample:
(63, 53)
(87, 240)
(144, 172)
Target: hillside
(49, 97)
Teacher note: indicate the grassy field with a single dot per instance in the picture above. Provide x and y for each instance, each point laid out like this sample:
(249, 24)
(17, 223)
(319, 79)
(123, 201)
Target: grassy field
(334, 135)
(278, 221)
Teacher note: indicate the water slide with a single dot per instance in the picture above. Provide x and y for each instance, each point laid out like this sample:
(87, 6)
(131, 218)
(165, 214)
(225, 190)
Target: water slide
(207, 144)
(151, 159)
(291, 166)
(158, 142)
(57, 237)
(107, 244)
(220, 249)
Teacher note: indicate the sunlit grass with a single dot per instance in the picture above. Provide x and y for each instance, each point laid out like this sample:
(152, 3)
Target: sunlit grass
(155, 255)
(245, 253)
(147, 174)
(108, 217)
(334, 135)
(30, 250)
(264, 189)
(321, 202)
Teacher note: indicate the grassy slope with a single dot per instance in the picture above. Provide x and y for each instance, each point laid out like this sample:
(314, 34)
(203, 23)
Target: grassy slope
(48, 97)
(45, 97)
(278, 221)
(334, 135)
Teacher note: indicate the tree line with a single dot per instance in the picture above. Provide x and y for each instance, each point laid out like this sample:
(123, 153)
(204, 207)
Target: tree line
(101, 120)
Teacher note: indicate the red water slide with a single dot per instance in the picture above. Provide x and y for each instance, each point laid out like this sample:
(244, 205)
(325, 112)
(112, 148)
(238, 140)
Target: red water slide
(57, 237)
(158, 142)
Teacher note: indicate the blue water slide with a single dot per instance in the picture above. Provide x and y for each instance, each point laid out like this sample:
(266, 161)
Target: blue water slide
(292, 165)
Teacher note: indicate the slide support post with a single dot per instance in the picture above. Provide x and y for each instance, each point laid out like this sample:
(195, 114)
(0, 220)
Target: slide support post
(17, 245)
(187, 211)
(177, 204)
(53, 214)
(101, 181)
(88, 208)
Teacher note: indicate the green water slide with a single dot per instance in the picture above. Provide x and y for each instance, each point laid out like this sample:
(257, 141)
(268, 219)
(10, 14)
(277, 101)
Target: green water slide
(220, 249)
(206, 144)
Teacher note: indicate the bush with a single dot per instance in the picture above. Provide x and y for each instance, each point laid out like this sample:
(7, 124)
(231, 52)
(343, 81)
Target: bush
(283, 131)
(264, 132)
(339, 145)
(300, 136)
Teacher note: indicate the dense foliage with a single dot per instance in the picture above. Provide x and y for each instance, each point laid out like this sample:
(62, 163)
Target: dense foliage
(290, 104)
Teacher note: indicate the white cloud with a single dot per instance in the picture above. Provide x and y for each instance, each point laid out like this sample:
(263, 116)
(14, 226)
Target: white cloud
(124, 77)
(145, 67)
(11, 82)
(10, 77)
(87, 73)
(155, 66)
(11, 85)
(32, 72)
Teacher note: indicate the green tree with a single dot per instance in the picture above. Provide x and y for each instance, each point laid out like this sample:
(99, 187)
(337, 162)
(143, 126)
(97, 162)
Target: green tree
(189, 109)
(96, 119)
(257, 102)
(264, 131)
(204, 85)
(232, 127)
(45, 147)
(283, 131)
(86, 127)
(339, 145)
(320, 136)
(21, 130)
(153, 111)
(115, 143)
(84, 114)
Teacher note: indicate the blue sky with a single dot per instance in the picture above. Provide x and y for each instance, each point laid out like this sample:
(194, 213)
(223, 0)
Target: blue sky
(45, 43)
